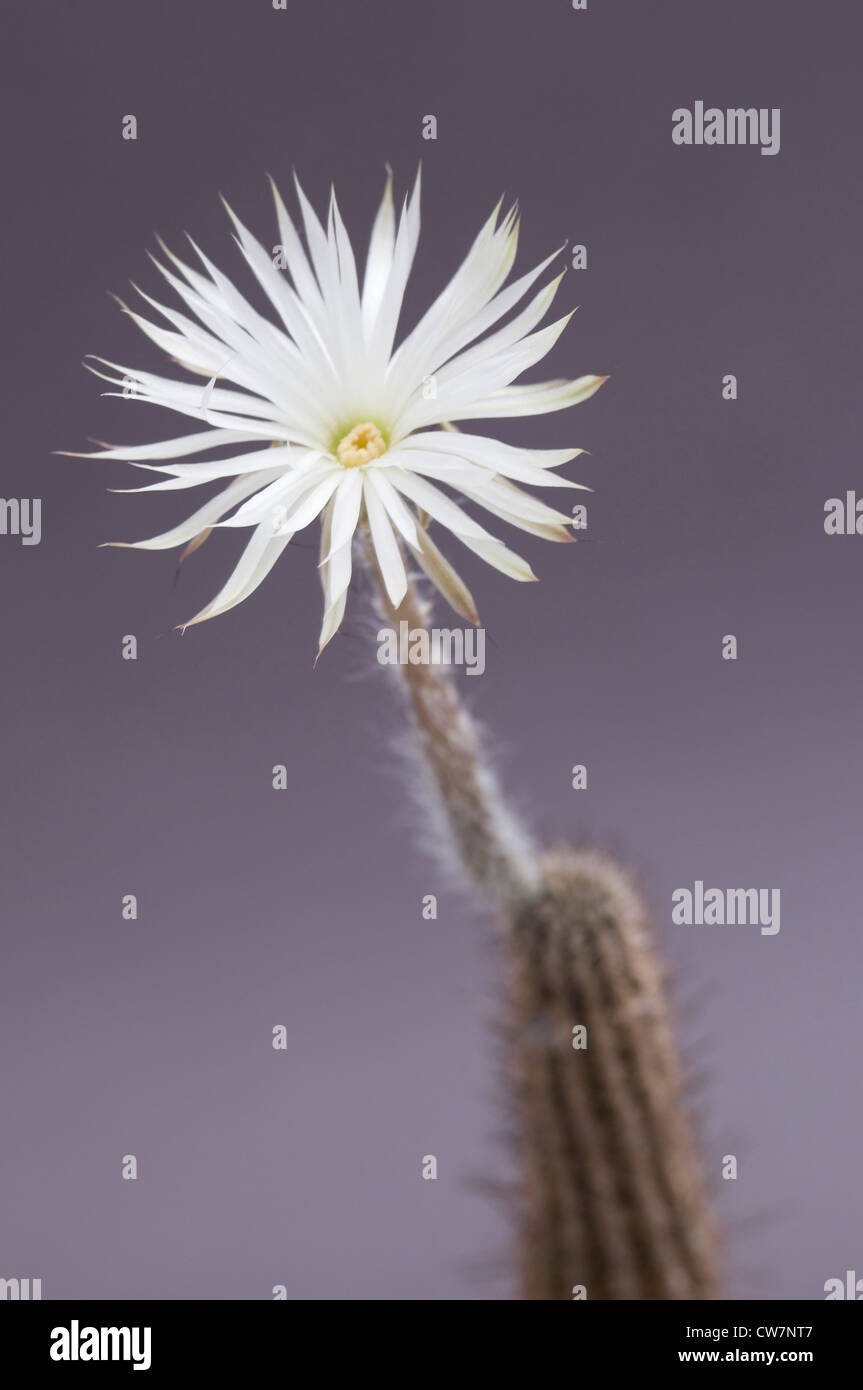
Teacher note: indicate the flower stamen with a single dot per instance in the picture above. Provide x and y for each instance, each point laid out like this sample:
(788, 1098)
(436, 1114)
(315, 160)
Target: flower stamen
(362, 444)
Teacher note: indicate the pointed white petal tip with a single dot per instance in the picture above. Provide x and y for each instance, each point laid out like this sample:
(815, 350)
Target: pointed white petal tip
(192, 622)
(321, 649)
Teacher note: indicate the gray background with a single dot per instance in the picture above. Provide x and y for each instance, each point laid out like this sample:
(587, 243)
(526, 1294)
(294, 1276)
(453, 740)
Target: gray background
(259, 1167)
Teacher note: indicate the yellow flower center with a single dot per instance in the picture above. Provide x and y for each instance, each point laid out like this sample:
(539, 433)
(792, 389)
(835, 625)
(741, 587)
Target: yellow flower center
(364, 443)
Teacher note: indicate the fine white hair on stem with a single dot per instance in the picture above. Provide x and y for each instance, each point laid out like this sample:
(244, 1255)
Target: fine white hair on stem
(471, 828)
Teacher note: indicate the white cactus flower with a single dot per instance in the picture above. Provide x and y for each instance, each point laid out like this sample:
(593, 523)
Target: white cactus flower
(336, 422)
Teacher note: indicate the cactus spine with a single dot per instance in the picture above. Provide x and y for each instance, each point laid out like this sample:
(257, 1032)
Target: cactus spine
(612, 1199)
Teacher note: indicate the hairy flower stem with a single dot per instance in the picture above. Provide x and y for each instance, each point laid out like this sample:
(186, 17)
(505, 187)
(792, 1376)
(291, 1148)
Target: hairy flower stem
(611, 1198)
(486, 839)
